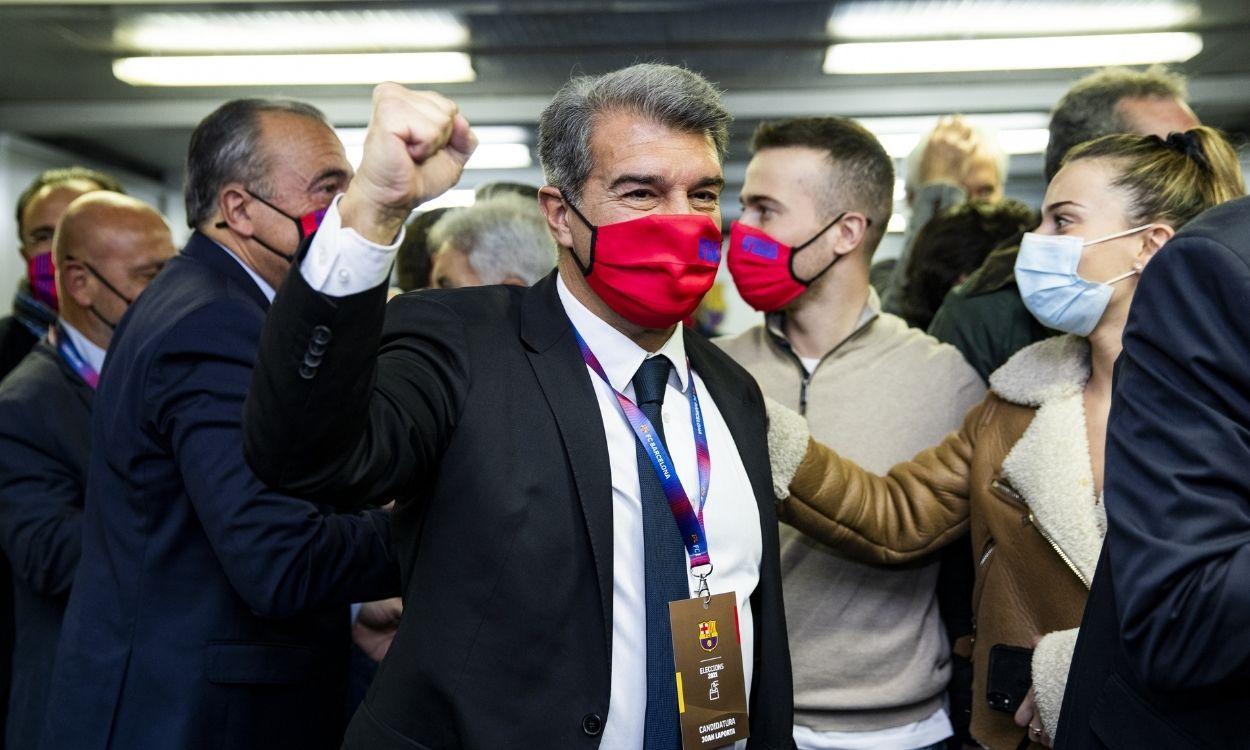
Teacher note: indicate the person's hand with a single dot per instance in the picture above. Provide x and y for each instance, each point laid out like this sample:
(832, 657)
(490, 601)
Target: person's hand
(1028, 716)
(949, 153)
(415, 149)
(375, 626)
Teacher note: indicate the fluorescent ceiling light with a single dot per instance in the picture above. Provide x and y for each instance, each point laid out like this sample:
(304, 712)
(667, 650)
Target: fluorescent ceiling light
(290, 31)
(295, 70)
(458, 198)
(897, 225)
(959, 18)
(498, 147)
(1034, 53)
(924, 123)
(1013, 142)
(484, 133)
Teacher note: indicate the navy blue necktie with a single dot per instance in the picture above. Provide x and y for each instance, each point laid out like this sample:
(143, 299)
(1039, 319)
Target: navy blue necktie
(665, 568)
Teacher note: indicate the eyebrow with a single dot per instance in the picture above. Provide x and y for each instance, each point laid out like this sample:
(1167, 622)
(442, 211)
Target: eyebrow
(745, 198)
(327, 174)
(653, 180)
(1061, 204)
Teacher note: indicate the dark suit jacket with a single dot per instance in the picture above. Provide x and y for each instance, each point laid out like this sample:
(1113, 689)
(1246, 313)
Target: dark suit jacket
(45, 421)
(208, 611)
(15, 343)
(477, 413)
(1163, 659)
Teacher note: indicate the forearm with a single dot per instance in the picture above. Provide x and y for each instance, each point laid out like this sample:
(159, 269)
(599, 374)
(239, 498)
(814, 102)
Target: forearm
(917, 509)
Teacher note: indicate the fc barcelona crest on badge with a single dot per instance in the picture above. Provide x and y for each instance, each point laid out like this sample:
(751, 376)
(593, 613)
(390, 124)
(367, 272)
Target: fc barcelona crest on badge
(707, 635)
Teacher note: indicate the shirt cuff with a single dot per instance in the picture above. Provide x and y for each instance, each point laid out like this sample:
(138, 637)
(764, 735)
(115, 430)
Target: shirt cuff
(341, 262)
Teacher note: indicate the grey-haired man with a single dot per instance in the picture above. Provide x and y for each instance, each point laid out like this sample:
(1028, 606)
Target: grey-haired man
(537, 543)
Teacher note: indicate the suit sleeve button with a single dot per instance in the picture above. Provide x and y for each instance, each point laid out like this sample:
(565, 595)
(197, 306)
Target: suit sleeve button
(307, 372)
(321, 335)
(592, 724)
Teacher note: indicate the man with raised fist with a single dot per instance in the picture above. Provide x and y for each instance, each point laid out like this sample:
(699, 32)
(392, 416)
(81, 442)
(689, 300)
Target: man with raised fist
(583, 500)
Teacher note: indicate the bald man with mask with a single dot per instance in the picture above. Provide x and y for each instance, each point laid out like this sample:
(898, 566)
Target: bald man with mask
(107, 248)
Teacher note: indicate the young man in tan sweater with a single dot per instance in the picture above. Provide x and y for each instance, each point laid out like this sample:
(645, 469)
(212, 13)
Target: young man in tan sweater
(870, 655)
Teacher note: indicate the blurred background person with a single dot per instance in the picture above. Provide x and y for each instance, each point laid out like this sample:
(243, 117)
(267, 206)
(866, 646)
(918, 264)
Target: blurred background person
(39, 208)
(499, 187)
(952, 245)
(201, 594)
(414, 258)
(871, 661)
(984, 317)
(501, 239)
(107, 248)
(1025, 472)
(954, 163)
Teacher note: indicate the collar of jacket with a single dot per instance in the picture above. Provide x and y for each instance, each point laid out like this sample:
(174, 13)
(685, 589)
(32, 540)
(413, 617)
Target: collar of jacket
(775, 323)
(1049, 465)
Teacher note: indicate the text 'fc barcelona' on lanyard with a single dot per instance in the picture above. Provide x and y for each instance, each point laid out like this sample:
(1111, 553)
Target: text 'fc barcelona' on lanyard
(78, 363)
(689, 521)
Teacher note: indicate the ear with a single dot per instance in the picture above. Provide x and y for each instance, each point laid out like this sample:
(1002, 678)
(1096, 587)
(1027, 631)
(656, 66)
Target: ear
(557, 212)
(849, 234)
(72, 282)
(1152, 240)
(233, 203)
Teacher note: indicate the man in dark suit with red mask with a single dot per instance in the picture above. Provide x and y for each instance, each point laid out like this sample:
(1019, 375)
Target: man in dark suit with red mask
(541, 543)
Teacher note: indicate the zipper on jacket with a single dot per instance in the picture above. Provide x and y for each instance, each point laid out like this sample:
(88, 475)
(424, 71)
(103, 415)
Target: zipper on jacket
(805, 376)
(1032, 520)
(985, 556)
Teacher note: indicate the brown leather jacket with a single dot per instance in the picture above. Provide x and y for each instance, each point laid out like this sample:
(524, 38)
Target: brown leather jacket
(1017, 475)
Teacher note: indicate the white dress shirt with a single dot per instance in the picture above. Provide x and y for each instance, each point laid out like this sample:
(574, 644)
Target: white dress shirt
(341, 262)
(93, 354)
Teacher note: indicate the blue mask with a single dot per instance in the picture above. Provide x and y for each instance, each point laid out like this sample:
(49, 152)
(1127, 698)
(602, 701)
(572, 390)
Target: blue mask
(1052, 289)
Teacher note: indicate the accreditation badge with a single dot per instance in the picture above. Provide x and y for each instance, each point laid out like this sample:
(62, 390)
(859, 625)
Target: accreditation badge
(711, 686)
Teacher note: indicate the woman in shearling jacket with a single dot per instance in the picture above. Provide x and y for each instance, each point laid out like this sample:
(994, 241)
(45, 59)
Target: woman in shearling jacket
(1024, 473)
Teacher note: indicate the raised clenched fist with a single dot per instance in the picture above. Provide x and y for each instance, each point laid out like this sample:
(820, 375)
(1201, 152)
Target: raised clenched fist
(415, 149)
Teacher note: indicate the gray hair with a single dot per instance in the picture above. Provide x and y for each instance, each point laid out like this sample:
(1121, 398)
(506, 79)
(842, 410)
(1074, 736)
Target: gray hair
(672, 96)
(225, 148)
(989, 145)
(504, 235)
(1090, 109)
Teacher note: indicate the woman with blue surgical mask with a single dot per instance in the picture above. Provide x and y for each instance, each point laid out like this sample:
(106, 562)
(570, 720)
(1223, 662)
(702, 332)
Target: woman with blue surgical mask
(1024, 474)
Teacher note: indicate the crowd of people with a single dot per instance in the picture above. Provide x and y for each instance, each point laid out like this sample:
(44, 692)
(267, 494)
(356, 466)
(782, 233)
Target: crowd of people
(335, 474)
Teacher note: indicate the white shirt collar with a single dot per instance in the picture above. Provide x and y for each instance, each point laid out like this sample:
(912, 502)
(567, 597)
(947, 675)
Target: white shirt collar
(265, 289)
(620, 356)
(89, 351)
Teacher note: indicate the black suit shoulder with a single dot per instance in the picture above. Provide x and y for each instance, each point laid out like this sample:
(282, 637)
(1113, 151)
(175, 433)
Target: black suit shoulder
(16, 341)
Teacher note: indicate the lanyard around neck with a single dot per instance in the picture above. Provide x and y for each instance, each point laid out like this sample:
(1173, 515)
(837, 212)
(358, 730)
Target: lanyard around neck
(689, 522)
(78, 363)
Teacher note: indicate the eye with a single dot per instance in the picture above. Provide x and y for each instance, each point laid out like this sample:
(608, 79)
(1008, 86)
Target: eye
(640, 194)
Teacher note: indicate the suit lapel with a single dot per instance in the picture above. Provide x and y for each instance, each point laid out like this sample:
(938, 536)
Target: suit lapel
(561, 373)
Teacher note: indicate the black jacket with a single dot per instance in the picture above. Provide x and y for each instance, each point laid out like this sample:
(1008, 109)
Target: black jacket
(208, 611)
(1163, 658)
(45, 422)
(478, 415)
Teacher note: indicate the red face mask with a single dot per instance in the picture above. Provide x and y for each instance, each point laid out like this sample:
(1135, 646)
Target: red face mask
(653, 270)
(42, 277)
(763, 268)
